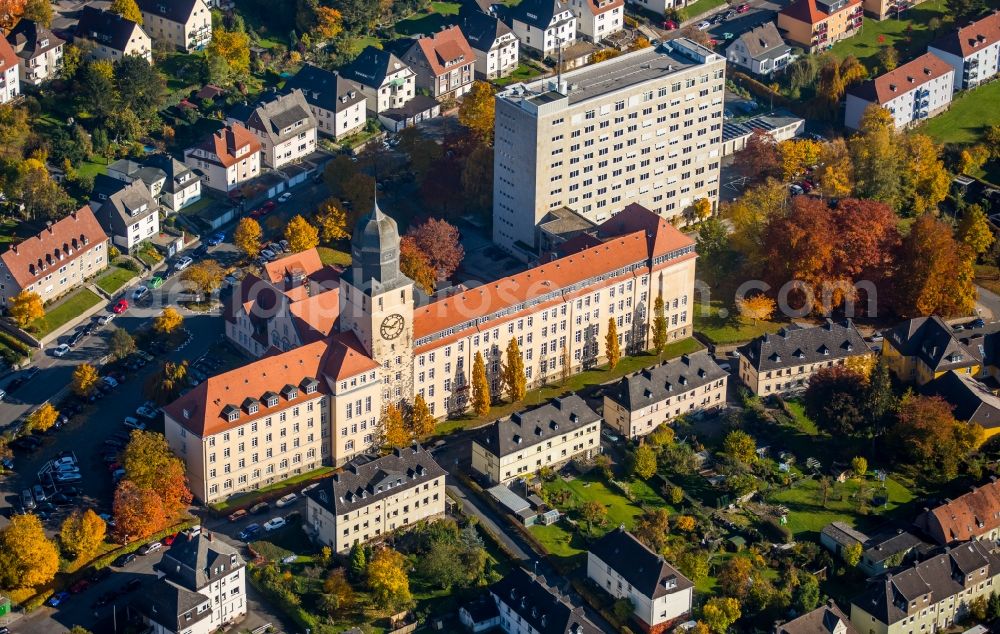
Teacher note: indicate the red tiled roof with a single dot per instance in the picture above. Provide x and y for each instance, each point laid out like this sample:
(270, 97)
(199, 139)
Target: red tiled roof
(39, 255)
(903, 79)
(305, 263)
(319, 312)
(8, 57)
(446, 50)
(974, 37)
(807, 11)
(225, 142)
(597, 8)
(967, 517)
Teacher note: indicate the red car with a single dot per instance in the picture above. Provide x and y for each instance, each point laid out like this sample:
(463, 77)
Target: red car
(79, 586)
(169, 539)
(120, 307)
(669, 25)
(743, 8)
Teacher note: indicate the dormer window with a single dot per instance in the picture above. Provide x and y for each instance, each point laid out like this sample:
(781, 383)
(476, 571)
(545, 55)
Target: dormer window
(251, 406)
(231, 414)
(290, 392)
(270, 399)
(310, 386)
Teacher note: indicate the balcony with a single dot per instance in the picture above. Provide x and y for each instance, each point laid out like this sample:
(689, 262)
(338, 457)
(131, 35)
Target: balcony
(972, 64)
(922, 93)
(820, 29)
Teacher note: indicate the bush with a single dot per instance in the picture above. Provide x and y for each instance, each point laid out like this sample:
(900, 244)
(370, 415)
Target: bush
(14, 343)
(776, 531)
(128, 264)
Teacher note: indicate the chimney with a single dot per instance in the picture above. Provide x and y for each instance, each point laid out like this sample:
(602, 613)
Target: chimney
(208, 535)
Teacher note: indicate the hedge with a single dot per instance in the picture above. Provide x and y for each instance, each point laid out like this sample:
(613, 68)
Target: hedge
(13, 342)
(295, 612)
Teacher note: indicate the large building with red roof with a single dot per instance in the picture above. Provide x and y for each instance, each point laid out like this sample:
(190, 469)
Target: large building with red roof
(317, 397)
(917, 90)
(973, 51)
(817, 25)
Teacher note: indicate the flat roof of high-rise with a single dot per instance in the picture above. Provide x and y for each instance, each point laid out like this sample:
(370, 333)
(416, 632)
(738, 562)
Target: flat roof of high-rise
(624, 71)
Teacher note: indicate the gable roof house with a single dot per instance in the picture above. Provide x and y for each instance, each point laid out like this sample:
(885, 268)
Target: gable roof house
(130, 216)
(107, 35)
(39, 51)
(931, 595)
(921, 349)
(826, 619)
(973, 51)
(640, 402)
(816, 25)
(598, 19)
(76, 242)
(972, 400)
(783, 362)
(337, 103)
(912, 92)
(627, 569)
(227, 159)
(543, 25)
(973, 515)
(10, 80)
(527, 605)
(760, 50)
(386, 80)
(127, 170)
(185, 25)
(284, 124)
(181, 186)
(444, 63)
(492, 41)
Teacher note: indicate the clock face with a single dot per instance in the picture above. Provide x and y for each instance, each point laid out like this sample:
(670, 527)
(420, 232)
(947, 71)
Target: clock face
(392, 326)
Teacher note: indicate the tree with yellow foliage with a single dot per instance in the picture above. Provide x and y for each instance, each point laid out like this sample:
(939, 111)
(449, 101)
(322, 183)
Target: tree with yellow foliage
(512, 374)
(394, 427)
(477, 110)
(750, 216)
(331, 220)
(862, 364)
(233, 47)
(604, 55)
(301, 235)
(702, 208)
(797, 155)
(925, 181)
(85, 378)
(127, 9)
(639, 43)
(719, 613)
(973, 158)
(168, 321)
(684, 523)
(82, 534)
(27, 557)
(481, 398)
(835, 174)
(611, 346)
(43, 418)
(247, 237)
(388, 580)
(421, 419)
(756, 307)
(25, 307)
(206, 276)
(974, 230)
(329, 22)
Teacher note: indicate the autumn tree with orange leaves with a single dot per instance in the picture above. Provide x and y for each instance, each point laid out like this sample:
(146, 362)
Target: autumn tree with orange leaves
(439, 240)
(10, 12)
(150, 464)
(934, 272)
(138, 512)
(415, 264)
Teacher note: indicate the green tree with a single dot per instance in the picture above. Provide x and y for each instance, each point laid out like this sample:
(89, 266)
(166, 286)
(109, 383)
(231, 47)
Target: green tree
(166, 384)
(859, 465)
(611, 346)
(879, 399)
(806, 595)
(593, 512)
(480, 387)
(512, 373)
(852, 554)
(622, 610)
(121, 344)
(888, 58)
(713, 246)
(740, 447)
(140, 87)
(659, 326)
(358, 564)
(39, 11)
(644, 463)
(877, 159)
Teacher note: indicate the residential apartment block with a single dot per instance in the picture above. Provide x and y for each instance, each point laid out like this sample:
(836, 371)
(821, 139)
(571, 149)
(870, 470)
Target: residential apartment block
(226, 160)
(283, 124)
(783, 362)
(444, 63)
(107, 35)
(816, 25)
(373, 497)
(56, 260)
(202, 587)
(972, 516)
(547, 436)
(494, 44)
(39, 51)
(626, 568)
(185, 25)
(597, 19)
(337, 104)
(660, 7)
(543, 26)
(644, 127)
(917, 90)
(973, 51)
(929, 596)
(641, 402)
(528, 606)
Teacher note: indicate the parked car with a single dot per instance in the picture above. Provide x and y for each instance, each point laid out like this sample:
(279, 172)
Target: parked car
(236, 516)
(146, 412)
(704, 25)
(248, 533)
(124, 560)
(284, 245)
(64, 460)
(120, 307)
(796, 190)
(215, 238)
(743, 8)
(57, 599)
(27, 501)
(110, 381)
(133, 423)
(183, 263)
(308, 488)
(80, 586)
(669, 25)
(68, 478)
(977, 323)
(286, 500)
(104, 320)
(267, 254)
(61, 350)
(284, 198)
(273, 524)
(151, 547)
(155, 282)
(259, 508)
(170, 539)
(140, 293)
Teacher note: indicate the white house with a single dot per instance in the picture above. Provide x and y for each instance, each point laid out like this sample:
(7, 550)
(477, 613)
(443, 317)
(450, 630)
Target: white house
(528, 606)
(227, 159)
(495, 45)
(107, 35)
(10, 84)
(40, 52)
(597, 19)
(283, 124)
(915, 91)
(130, 215)
(337, 103)
(183, 24)
(760, 51)
(543, 25)
(973, 51)
(386, 81)
(627, 569)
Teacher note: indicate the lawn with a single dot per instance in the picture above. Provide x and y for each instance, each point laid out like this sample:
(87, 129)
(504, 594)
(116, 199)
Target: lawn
(359, 44)
(113, 279)
(8, 230)
(330, 256)
(73, 305)
(430, 21)
(702, 6)
(149, 255)
(585, 381)
(910, 35)
(807, 515)
(804, 423)
(970, 114)
(722, 326)
(524, 72)
(92, 168)
(252, 497)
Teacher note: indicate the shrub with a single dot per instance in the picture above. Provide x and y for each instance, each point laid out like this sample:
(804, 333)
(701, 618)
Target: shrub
(776, 531)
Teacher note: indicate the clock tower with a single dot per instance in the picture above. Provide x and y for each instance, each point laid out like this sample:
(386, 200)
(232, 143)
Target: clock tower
(376, 303)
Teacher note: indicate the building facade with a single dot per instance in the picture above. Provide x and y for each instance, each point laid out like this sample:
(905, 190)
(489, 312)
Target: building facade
(544, 437)
(337, 104)
(39, 51)
(782, 363)
(228, 159)
(660, 7)
(816, 25)
(106, 35)
(626, 568)
(644, 127)
(444, 63)
(283, 124)
(828, 619)
(370, 499)
(528, 606)
(597, 19)
(386, 81)
(10, 79)
(129, 216)
(971, 516)
(494, 44)
(641, 402)
(913, 92)
(185, 25)
(922, 349)
(760, 50)
(543, 26)
(973, 51)
(56, 260)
